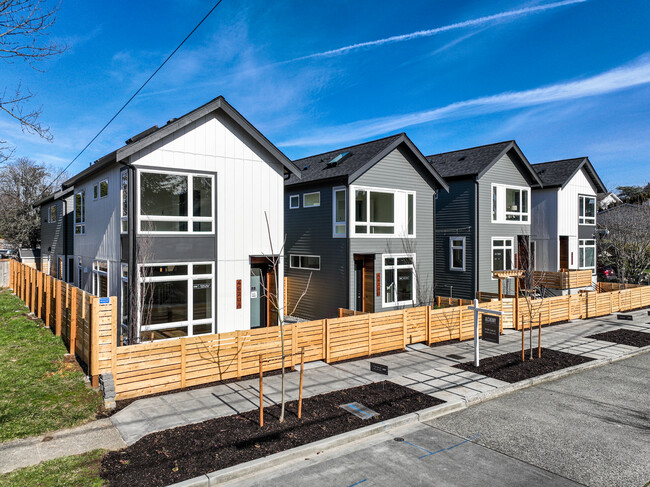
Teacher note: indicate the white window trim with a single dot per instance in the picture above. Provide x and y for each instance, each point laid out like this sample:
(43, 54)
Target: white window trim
(400, 227)
(501, 204)
(297, 196)
(80, 272)
(97, 272)
(97, 187)
(304, 205)
(345, 212)
(303, 268)
(81, 224)
(190, 218)
(49, 214)
(583, 246)
(190, 277)
(395, 267)
(123, 217)
(451, 253)
(512, 253)
(582, 200)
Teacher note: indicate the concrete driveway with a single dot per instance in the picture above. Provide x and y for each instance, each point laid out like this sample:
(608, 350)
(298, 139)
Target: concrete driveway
(590, 428)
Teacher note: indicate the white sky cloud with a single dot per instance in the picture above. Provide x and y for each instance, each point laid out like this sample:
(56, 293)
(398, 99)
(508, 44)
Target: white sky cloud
(626, 76)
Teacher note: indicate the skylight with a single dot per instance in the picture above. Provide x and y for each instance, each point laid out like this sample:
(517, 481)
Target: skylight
(338, 158)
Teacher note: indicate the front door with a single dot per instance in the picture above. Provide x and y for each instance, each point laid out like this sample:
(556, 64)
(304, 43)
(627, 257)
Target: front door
(564, 252)
(364, 270)
(258, 298)
(358, 285)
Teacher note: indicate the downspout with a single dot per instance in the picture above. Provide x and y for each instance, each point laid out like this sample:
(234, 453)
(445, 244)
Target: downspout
(476, 230)
(65, 235)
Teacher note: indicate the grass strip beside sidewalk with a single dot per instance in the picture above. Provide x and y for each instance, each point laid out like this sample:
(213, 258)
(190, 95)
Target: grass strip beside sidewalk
(40, 391)
(73, 471)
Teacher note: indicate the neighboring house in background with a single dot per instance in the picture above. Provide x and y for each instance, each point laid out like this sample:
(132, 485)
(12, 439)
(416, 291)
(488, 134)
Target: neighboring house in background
(360, 221)
(564, 216)
(57, 237)
(484, 223)
(185, 205)
(606, 200)
(30, 257)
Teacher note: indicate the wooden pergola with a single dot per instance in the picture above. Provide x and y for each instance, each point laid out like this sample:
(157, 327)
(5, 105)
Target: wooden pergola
(516, 274)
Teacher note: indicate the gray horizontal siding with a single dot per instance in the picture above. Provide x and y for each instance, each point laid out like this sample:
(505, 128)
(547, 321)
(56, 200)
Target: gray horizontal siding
(309, 232)
(455, 217)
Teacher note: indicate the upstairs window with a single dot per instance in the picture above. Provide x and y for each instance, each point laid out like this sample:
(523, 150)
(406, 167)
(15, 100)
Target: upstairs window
(587, 210)
(457, 253)
(339, 210)
(176, 203)
(383, 213)
(310, 200)
(51, 214)
(124, 201)
(100, 190)
(80, 213)
(510, 204)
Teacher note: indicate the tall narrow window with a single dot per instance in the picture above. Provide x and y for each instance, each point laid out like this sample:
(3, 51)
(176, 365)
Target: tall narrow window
(80, 273)
(100, 278)
(494, 203)
(124, 298)
(587, 254)
(411, 214)
(587, 210)
(124, 201)
(457, 253)
(340, 211)
(80, 213)
(51, 217)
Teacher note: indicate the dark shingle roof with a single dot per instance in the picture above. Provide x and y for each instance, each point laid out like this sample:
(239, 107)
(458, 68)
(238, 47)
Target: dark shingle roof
(467, 162)
(315, 167)
(556, 173)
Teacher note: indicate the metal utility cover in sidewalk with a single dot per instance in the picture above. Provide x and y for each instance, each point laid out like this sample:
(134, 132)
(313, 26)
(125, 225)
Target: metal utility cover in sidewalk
(359, 410)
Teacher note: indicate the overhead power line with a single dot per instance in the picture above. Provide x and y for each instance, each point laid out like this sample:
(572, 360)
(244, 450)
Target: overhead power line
(134, 94)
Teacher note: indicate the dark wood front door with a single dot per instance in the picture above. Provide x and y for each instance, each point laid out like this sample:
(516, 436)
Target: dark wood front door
(364, 270)
(564, 252)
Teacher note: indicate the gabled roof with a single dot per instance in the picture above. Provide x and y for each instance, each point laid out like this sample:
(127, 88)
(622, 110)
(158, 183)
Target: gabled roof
(54, 196)
(356, 160)
(475, 161)
(559, 173)
(153, 134)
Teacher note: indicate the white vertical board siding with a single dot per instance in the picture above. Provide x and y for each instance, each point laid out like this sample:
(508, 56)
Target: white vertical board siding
(568, 212)
(247, 186)
(102, 238)
(544, 226)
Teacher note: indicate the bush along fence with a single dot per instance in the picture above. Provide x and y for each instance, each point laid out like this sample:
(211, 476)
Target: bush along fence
(166, 365)
(87, 324)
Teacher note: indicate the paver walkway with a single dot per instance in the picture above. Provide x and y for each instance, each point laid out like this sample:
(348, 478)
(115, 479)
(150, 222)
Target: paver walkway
(426, 369)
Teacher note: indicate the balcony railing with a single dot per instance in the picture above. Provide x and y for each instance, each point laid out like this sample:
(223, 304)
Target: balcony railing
(569, 279)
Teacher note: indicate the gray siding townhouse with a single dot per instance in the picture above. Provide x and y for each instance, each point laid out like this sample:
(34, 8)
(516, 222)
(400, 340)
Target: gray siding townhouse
(360, 222)
(174, 223)
(483, 224)
(57, 238)
(564, 215)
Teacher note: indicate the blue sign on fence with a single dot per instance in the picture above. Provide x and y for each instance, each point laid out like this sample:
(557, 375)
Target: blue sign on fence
(104, 301)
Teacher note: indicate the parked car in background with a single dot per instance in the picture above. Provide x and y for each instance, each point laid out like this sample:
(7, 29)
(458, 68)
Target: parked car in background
(606, 273)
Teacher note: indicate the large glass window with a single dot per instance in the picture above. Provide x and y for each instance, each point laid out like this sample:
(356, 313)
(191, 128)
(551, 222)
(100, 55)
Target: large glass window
(309, 200)
(510, 204)
(176, 300)
(587, 254)
(164, 205)
(399, 271)
(80, 213)
(340, 211)
(51, 216)
(384, 213)
(587, 210)
(100, 278)
(502, 254)
(124, 201)
(457, 253)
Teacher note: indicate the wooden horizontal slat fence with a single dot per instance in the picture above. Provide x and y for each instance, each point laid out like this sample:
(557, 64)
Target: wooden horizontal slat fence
(147, 368)
(563, 280)
(87, 326)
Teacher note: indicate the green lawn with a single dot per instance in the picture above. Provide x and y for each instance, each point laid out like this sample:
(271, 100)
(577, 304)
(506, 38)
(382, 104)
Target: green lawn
(73, 471)
(38, 391)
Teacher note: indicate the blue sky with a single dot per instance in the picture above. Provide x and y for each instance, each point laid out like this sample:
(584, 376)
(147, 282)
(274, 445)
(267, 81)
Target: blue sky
(563, 78)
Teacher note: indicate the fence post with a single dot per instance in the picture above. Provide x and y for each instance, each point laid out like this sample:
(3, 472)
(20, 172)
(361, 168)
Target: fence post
(404, 329)
(48, 300)
(327, 341)
(183, 361)
(94, 339)
(460, 324)
(59, 308)
(369, 334)
(33, 300)
(113, 334)
(73, 321)
(239, 351)
(428, 324)
(39, 302)
(294, 345)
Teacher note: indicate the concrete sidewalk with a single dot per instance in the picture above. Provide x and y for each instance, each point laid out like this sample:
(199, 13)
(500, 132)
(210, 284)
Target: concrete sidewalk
(428, 370)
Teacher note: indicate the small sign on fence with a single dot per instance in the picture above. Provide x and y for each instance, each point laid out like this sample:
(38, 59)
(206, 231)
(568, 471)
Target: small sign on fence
(379, 368)
(626, 317)
(104, 300)
(491, 329)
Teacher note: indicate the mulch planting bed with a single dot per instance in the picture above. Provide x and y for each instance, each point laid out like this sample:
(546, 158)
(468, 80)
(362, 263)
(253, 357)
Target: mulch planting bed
(510, 368)
(623, 336)
(182, 453)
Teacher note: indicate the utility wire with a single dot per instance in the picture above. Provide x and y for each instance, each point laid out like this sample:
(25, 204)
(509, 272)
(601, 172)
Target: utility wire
(134, 94)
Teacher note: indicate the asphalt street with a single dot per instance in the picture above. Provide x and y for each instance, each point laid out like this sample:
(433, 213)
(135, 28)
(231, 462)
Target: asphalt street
(590, 428)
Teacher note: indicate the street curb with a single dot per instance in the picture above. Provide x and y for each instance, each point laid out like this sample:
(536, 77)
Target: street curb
(254, 466)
